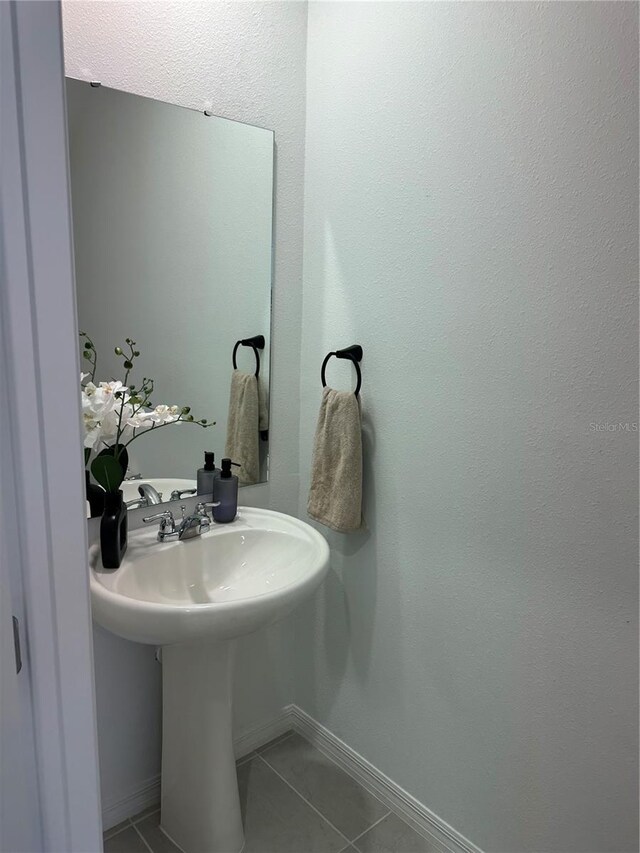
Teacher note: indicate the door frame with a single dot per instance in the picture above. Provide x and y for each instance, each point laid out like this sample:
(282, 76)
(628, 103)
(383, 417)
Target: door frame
(39, 329)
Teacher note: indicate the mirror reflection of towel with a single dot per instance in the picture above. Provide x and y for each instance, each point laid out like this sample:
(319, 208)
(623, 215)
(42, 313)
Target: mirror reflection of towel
(263, 407)
(242, 427)
(335, 494)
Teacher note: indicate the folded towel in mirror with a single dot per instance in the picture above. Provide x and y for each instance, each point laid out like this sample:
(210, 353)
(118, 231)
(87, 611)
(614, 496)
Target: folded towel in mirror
(242, 444)
(335, 494)
(263, 406)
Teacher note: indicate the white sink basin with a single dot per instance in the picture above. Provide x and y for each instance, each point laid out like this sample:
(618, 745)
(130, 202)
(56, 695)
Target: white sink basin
(192, 598)
(227, 582)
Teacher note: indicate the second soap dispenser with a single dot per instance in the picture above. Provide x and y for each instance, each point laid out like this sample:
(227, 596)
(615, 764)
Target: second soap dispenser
(226, 492)
(207, 475)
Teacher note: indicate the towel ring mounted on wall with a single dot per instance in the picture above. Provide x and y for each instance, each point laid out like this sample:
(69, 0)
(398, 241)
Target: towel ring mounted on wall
(256, 343)
(354, 354)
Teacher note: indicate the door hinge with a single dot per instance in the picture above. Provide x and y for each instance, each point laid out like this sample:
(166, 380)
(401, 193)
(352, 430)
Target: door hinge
(16, 643)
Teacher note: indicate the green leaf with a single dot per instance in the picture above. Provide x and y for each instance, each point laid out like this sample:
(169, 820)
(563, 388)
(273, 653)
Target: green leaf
(107, 472)
(87, 454)
(118, 452)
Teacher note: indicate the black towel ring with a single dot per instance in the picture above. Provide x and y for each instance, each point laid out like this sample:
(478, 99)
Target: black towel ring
(354, 354)
(256, 343)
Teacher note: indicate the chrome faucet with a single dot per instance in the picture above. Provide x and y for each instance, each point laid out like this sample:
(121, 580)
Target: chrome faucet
(196, 524)
(190, 526)
(146, 490)
(167, 529)
(148, 497)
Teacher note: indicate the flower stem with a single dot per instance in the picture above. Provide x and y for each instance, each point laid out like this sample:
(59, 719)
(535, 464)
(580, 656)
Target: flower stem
(178, 420)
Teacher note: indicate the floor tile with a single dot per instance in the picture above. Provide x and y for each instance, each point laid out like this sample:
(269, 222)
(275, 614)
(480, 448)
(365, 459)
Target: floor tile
(127, 841)
(333, 792)
(276, 819)
(154, 836)
(393, 835)
(115, 829)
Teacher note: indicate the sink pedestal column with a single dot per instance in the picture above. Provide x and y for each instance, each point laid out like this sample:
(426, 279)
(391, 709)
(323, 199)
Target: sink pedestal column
(200, 801)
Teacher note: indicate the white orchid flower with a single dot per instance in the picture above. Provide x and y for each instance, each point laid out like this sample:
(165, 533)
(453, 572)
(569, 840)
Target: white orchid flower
(163, 415)
(105, 411)
(112, 414)
(91, 430)
(140, 420)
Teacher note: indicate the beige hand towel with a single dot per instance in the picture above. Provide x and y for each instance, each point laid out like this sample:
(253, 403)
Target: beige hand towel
(242, 427)
(335, 495)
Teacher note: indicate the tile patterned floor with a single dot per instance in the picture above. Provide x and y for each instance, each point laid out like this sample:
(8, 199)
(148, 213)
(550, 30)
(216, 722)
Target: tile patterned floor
(294, 800)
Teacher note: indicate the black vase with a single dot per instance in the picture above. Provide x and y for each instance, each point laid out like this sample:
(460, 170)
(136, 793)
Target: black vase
(95, 496)
(113, 530)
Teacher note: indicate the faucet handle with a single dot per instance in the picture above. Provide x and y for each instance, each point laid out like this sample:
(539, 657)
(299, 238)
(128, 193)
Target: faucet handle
(201, 510)
(178, 494)
(163, 517)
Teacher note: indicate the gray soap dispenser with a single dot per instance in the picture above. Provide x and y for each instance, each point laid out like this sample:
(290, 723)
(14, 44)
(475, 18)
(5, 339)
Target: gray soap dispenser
(226, 493)
(207, 475)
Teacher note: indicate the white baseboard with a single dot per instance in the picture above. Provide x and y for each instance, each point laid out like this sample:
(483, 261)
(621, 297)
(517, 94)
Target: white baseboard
(417, 815)
(424, 821)
(145, 795)
(253, 738)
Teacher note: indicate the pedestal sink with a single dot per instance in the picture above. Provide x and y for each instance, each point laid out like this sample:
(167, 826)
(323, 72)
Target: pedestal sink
(193, 598)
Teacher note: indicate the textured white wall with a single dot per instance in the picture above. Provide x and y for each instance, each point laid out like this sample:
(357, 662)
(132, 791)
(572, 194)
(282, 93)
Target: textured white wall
(471, 220)
(244, 61)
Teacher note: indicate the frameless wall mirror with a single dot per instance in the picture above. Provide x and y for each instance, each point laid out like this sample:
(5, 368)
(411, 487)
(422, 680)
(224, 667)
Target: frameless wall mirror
(172, 218)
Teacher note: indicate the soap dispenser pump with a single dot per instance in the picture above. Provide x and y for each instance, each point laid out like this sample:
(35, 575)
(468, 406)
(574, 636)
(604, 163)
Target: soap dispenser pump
(226, 493)
(207, 475)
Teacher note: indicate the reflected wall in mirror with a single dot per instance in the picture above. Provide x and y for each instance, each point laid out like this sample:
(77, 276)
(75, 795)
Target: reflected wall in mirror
(172, 217)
